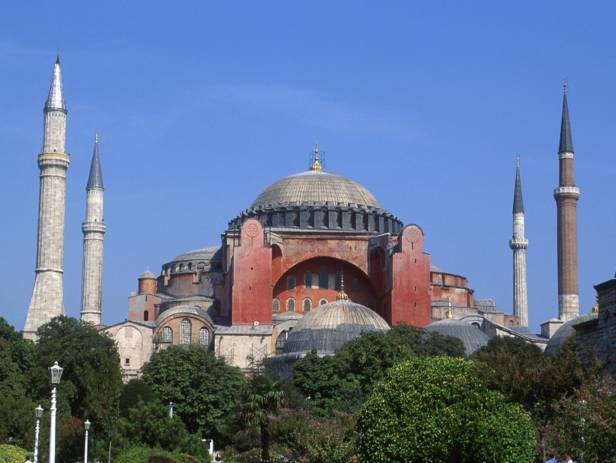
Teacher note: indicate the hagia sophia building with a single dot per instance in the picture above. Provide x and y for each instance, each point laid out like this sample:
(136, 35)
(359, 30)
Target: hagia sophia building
(312, 262)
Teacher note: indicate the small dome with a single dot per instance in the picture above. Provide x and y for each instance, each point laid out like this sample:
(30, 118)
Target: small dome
(147, 275)
(315, 186)
(471, 336)
(563, 333)
(198, 254)
(328, 327)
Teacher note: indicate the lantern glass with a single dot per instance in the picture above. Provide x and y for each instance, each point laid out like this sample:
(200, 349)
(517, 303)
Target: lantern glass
(56, 373)
(39, 412)
(86, 425)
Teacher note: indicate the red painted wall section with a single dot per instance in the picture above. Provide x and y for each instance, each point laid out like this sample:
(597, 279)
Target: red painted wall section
(410, 289)
(252, 277)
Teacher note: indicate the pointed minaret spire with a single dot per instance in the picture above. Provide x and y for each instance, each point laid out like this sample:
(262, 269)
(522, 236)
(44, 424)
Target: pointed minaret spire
(566, 196)
(55, 99)
(566, 143)
(518, 202)
(518, 245)
(316, 164)
(95, 180)
(93, 235)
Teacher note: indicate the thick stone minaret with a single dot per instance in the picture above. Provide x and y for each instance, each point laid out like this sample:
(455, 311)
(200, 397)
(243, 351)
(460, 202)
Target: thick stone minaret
(566, 196)
(47, 299)
(518, 245)
(93, 234)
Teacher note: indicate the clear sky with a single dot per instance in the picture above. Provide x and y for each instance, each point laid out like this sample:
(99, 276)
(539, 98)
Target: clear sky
(201, 105)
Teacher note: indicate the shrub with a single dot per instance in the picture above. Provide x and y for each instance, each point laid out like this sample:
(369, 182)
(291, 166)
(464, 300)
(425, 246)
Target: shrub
(12, 454)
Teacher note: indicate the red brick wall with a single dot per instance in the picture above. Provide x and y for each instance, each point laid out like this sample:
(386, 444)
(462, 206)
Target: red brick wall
(356, 284)
(251, 297)
(410, 289)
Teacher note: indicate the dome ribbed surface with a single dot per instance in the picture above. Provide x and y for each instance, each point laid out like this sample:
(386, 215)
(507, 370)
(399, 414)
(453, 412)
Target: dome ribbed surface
(315, 187)
(471, 336)
(328, 327)
(198, 254)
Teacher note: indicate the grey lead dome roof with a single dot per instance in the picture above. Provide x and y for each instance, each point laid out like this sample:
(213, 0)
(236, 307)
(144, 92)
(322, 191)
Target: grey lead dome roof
(328, 327)
(315, 187)
(471, 336)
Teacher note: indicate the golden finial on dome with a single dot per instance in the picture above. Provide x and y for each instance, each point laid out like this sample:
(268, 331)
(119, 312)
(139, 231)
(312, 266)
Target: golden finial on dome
(342, 296)
(449, 310)
(595, 308)
(316, 164)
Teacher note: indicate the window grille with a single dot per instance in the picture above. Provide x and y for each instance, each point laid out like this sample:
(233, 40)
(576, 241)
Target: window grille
(204, 337)
(167, 335)
(290, 305)
(307, 305)
(185, 331)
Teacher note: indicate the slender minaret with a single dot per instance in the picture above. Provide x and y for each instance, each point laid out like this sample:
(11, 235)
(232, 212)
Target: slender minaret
(566, 196)
(93, 234)
(47, 299)
(518, 245)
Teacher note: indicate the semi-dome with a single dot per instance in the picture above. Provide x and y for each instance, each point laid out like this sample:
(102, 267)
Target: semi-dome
(563, 333)
(198, 254)
(471, 335)
(328, 327)
(314, 187)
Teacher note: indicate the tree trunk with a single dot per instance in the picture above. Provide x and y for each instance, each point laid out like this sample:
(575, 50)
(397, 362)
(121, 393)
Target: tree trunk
(265, 438)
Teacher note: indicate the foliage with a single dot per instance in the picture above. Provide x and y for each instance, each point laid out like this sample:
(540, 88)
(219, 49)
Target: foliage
(585, 422)
(12, 454)
(343, 382)
(16, 407)
(142, 454)
(149, 425)
(261, 400)
(135, 391)
(204, 388)
(91, 381)
(436, 409)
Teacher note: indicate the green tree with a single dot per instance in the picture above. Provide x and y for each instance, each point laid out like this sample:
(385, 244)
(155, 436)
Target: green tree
(261, 401)
(584, 422)
(90, 385)
(12, 454)
(16, 407)
(135, 391)
(344, 381)
(437, 409)
(204, 389)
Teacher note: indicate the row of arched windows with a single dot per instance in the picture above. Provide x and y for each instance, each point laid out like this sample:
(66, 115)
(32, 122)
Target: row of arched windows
(290, 304)
(322, 280)
(186, 334)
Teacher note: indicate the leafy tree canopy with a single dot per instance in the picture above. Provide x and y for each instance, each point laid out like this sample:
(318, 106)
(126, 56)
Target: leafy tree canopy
(436, 409)
(203, 388)
(12, 454)
(343, 381)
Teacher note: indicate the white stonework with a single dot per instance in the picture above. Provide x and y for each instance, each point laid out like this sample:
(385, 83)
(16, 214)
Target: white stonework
(569, 306)
(47, 299)
(93, 234)
(519, 244)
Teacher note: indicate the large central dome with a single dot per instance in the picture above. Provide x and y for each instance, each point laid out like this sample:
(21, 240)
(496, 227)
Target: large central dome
(315, 186)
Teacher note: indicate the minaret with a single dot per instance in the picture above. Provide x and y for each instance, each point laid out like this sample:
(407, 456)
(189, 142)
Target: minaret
(566, 196)
(518, 245)
(47, 299)
(93, 234)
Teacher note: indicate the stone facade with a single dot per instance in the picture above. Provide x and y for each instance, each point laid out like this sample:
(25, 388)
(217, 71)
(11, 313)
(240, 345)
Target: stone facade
(47, 299)
(596, 338)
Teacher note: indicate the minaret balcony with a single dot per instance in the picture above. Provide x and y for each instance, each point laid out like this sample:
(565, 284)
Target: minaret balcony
(518, 244)
(567, 192)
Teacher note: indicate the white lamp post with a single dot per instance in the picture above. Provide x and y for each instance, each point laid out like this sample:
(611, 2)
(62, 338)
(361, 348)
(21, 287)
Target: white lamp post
(86, 426)
(170, 407)
(56, 373)
(38, 413)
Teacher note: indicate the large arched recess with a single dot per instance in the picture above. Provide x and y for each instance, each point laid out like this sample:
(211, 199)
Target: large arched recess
(356, 283)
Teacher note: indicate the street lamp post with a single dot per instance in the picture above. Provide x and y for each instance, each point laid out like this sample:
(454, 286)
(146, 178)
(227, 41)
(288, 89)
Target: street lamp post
(38, 413)
(170, 407)
(86, 426)
(56, 373)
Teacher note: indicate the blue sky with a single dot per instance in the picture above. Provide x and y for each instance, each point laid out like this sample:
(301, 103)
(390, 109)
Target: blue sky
(201, 105)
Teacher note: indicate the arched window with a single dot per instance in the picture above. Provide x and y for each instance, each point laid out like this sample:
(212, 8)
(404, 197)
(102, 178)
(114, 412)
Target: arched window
(308, 280)
(275, 305)
(323, 276)
(204, 337)
(307, 305)
(290, 305)
(291, 282)
(185, 331)
(167, 335)
(146, 315)
(323, 302)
